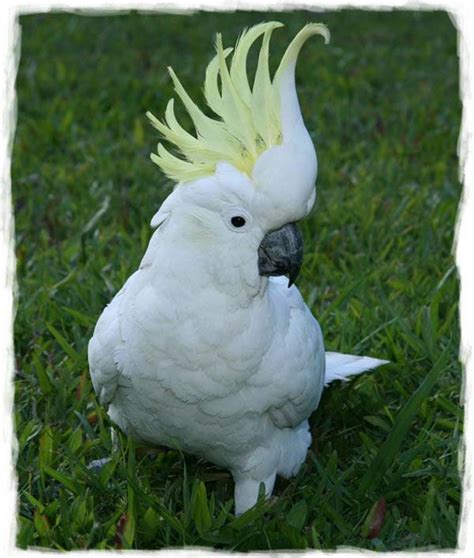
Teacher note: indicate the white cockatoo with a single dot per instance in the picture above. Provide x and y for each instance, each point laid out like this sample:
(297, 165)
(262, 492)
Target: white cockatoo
(207, 347)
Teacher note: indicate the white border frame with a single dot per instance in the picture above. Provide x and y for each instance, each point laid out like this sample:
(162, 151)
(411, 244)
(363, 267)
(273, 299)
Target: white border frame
(462, 15)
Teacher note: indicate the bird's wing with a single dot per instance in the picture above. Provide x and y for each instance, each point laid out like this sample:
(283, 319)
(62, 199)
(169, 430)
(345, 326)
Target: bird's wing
(102, 350)
(295, 364)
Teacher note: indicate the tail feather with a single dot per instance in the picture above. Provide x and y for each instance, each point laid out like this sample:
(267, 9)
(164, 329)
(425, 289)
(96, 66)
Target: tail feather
(342, 367)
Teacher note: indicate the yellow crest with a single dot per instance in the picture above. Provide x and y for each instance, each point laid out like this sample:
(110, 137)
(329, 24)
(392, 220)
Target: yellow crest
(249, 117)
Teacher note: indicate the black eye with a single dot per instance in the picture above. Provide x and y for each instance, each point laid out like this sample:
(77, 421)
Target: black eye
(238, 221)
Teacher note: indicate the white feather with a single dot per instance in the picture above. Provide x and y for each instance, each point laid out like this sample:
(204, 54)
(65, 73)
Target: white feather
(341, 367)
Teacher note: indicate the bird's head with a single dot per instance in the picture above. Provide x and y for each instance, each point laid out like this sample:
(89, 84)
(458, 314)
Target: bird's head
(249, 175)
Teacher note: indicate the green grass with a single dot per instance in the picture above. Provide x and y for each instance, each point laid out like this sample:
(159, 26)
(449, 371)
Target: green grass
(381, 102)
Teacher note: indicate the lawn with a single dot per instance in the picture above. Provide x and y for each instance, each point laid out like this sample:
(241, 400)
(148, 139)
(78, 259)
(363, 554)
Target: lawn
(381, 102)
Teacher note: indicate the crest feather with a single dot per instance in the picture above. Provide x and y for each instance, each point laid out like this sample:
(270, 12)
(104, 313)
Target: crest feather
(238, 69)
(211, 84)
(235, 113)
(291, 55)
(250, 117)
(265, 112)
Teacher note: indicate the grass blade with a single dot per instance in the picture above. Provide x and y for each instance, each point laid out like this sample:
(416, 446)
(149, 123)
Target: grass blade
(393, 442)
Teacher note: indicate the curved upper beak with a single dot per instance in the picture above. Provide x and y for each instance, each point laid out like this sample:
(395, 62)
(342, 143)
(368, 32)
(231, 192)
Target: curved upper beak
(281, 253)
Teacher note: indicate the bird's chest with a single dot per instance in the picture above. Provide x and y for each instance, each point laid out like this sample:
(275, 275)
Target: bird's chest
(198, 342)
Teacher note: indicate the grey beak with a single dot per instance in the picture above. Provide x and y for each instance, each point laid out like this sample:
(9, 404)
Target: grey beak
(281, 253)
